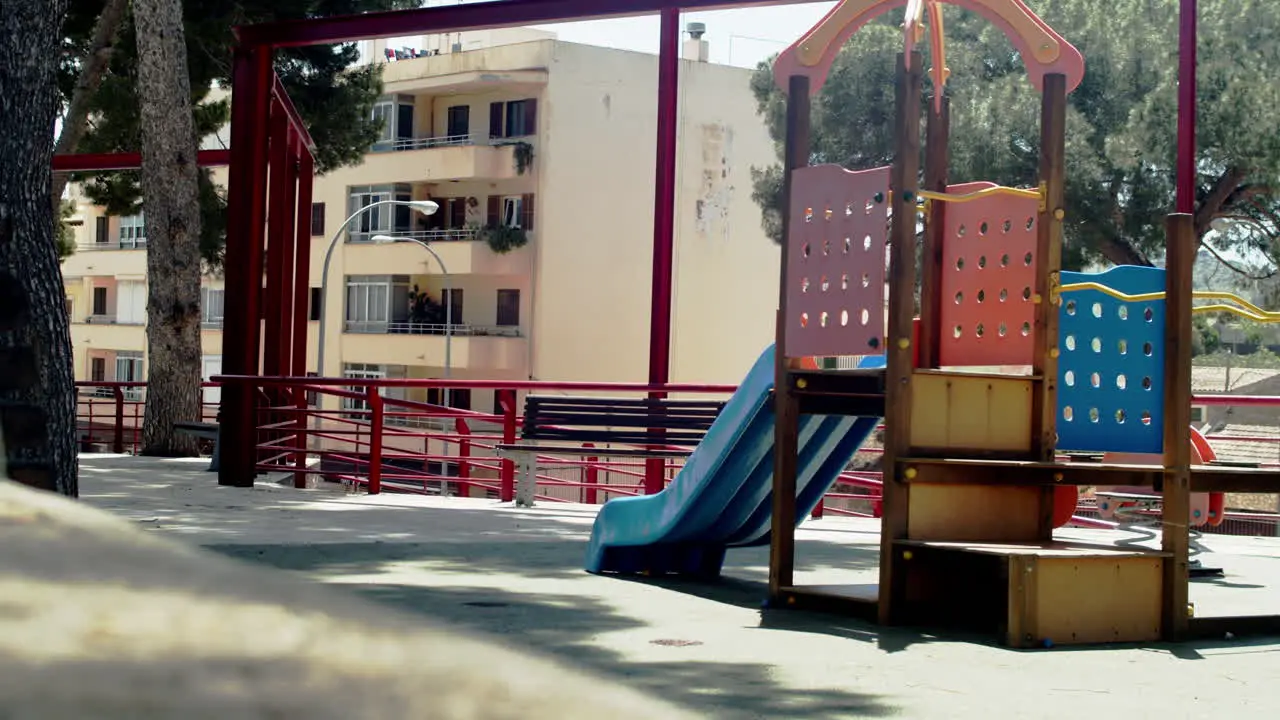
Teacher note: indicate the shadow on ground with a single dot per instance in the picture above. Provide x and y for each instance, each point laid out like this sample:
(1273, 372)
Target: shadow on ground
(566, 625)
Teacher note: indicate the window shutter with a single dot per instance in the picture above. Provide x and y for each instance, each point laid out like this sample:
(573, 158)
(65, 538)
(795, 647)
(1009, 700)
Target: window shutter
(494, 218)
(531, 116)
(317, 219)
(526, 212)
(495, 120)
(101, 229)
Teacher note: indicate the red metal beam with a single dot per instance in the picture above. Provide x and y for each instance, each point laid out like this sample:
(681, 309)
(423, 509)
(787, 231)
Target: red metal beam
(302, 263)
(295, 120)
(664, 220)
(246, 206)
(471, 16)
(106, 162)
(279, 242)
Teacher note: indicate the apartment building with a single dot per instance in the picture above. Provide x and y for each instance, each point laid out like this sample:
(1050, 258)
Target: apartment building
(540, 154)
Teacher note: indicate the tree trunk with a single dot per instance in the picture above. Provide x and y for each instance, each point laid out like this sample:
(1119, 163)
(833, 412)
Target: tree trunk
(37, 392)
(170, 202)
(76, 120)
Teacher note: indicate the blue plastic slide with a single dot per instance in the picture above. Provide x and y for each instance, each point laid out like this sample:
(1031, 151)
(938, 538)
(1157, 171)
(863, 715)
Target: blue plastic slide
(723, 496)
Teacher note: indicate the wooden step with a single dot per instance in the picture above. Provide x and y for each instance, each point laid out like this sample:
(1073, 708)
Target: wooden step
(1035, 594)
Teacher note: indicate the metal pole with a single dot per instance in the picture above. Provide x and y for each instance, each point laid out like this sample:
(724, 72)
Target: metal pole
(324, 272)
(1187, 108)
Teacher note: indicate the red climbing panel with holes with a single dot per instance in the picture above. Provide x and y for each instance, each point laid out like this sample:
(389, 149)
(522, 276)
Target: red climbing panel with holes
(988, 279)
(839, 224)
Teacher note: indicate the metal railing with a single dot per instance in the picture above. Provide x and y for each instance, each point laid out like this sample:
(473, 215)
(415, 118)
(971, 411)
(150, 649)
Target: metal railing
(464, 234)
(364, 327)
(347, 430)
(114, 245)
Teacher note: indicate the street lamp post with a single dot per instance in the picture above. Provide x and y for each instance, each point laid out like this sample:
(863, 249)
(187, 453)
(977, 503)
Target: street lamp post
(426, 207)
(448, 304)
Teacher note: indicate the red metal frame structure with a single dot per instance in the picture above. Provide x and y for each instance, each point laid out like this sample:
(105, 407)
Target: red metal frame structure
(291, 167)
(256, 93)
(251, 161)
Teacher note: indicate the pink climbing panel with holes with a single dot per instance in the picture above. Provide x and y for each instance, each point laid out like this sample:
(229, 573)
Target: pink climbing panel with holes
(839, 224)
(988, 279)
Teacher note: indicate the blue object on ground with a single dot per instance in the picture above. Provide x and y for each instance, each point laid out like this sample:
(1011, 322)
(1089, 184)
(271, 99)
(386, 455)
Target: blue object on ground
(723, 496)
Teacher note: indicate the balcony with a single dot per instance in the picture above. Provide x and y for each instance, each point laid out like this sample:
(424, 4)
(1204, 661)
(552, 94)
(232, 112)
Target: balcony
(461, 250)
(436, 159)
(106, 259)
(103, 332)
(489, 348)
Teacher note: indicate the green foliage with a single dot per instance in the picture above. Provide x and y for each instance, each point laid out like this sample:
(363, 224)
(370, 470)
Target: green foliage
(503, 238)
(334, 99)
(1205, 339)
(66, 237)
(523, 154)
(1121, 123)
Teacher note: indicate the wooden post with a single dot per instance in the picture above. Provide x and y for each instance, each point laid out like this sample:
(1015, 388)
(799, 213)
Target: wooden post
(786, 431)
(1048, 258)
(1179, 258)
(904, 184)
(937, 159)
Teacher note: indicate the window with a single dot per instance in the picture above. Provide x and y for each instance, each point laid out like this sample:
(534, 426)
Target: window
(358, 408)
(133, 231)
(457, 216)
(317, 219)
(212, 301)
(99, 301)
(383, 219)
(316, 299)
(513, 119)
(71, 309)
(508, 308)
(313, 397)
(459, 122)
(102, 234)
(376, 301)
(511, 211)
(97, 369)
(129, 369)
(131, 302)
(459, 398)
(454, 306)
(396, 117)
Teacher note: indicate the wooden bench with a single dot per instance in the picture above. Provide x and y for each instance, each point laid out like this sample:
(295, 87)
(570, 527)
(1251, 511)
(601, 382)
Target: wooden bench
(556, 425)
(204, 431)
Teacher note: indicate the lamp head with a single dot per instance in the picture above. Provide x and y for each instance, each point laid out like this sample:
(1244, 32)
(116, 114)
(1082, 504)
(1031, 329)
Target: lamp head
(426, 207)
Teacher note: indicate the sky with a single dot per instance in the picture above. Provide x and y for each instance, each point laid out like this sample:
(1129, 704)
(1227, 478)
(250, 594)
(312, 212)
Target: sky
(741, 37)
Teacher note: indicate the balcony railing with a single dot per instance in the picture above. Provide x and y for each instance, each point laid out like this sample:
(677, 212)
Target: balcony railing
(114, 245)
(441, 235)
(365, 327)
(424, 143)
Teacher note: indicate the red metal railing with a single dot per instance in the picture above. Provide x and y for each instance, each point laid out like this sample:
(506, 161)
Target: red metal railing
(109, 415)
(382, 435)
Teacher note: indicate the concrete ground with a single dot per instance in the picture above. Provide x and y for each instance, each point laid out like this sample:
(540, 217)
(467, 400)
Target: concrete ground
(515, 575)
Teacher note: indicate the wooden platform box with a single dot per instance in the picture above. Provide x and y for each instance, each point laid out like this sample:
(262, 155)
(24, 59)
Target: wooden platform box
(1034, 595)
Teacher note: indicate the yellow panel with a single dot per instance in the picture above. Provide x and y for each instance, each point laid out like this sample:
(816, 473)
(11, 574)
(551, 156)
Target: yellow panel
(971, 412)
(1087, 600)
(973, 513)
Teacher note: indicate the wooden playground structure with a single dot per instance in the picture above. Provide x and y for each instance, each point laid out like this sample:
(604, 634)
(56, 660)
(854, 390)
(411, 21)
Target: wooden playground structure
(1008, 363)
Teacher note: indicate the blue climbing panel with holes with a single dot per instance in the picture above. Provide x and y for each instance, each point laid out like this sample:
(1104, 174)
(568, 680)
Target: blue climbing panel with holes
(1111, 366)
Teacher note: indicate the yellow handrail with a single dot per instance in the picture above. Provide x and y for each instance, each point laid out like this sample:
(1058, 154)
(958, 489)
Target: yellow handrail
(1246, 310)
(978, 194)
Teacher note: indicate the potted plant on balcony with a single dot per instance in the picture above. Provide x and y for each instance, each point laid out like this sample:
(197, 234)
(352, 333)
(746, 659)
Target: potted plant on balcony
(504, 238)
(425, 314)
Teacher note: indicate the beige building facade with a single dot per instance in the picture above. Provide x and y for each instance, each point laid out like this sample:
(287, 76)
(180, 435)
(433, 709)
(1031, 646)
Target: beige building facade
(520, 138)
